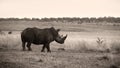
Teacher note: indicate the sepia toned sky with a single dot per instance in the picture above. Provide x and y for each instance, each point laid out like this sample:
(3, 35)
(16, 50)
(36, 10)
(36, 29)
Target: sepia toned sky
(59, 8)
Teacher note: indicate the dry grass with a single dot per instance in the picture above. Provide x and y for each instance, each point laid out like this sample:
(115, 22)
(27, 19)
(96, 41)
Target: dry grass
(95, 43)
(115, 47)
(75, 41)
(81, 49)
(10, 41)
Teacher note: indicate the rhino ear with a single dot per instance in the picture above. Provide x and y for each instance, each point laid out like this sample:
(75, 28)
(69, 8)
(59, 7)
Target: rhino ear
(58, 30)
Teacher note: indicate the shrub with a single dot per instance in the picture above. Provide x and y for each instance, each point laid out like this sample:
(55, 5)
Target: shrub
(101, 45)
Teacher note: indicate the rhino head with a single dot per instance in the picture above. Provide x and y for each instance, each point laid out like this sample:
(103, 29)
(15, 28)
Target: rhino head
(60, 39)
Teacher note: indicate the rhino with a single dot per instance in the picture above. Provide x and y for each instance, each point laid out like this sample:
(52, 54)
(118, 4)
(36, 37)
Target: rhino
(39, 36)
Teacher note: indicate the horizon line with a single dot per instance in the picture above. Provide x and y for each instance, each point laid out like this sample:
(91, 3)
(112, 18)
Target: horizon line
(62, 17)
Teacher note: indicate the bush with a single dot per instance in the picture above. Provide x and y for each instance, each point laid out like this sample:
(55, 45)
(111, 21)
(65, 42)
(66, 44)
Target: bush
(101, 45)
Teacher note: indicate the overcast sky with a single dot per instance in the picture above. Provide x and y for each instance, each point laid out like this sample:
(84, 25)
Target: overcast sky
(59, 8)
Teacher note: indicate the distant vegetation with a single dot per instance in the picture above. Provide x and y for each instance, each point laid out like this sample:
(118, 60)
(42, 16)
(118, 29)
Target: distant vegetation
(68, 19)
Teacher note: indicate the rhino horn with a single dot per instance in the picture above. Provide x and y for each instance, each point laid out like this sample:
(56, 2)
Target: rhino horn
(64, 37)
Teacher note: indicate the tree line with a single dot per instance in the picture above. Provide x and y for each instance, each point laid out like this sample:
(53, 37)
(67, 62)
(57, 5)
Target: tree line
(68, 19)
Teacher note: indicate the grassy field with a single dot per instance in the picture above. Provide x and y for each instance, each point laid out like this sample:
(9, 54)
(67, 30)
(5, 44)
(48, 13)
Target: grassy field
(87, 46)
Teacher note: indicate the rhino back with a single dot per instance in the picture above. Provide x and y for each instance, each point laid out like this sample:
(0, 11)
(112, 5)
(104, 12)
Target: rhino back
(37, 36)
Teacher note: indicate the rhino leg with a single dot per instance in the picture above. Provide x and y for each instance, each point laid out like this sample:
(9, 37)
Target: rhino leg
(43, 48)
(48, 48)
(29, 46)
(23, 45)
